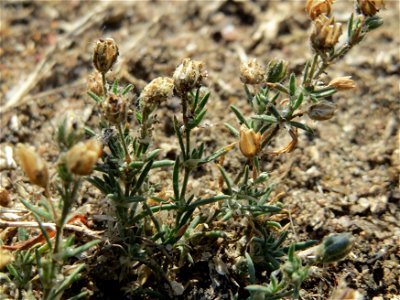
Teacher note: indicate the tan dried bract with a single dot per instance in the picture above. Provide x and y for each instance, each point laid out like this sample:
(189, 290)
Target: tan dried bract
(33, 165)
(314, 8)
(249, 142)
(342, 83)
(326, 33)
(105, 55)
(252, 72)
(369, 8)
(81, 158)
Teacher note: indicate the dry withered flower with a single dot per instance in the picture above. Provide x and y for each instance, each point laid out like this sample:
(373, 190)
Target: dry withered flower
(249, 142)
(157, 91)
(5, 198)
(322, 111)
(342, 83)
(189, 75)
(369, 8)
(81, 158)
(314, 8)
(252, 72)
(33, 165)
(114, 109)
(326, 33)
(105, 54)
(95, 83)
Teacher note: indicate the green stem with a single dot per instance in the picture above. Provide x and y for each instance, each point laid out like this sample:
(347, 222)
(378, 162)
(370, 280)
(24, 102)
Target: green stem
(121, 134)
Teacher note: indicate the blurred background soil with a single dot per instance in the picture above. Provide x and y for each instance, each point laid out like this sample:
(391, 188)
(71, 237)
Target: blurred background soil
(345, 178)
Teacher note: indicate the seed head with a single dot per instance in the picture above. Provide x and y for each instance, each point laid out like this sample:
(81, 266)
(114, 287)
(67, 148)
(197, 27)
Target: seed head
(157, 91)
(249, 142)
(370, 7)
(189, 75)
(95, 83)
(315, 8)
(252, 72)
(105, 55)
(322, 111)
(342, 83)
(277, 70)
(114, 109)
(33, 165)
(326, 33)
(81, 158)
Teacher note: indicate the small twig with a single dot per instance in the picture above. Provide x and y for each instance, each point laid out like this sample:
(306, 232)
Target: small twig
(52, 226)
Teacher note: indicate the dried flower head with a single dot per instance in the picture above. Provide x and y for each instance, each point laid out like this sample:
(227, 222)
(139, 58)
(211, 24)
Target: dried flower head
(322, 111)
(326, 33)
(33, 165)
(114, 109)
(249, 142)
(95, 83)
(81, 158)
(370, 7)
(314, 8)
(157, 91)
(252, 72)
(189, 75)
(105, 55)
(277, 70)
(342, 83)
(5, 198)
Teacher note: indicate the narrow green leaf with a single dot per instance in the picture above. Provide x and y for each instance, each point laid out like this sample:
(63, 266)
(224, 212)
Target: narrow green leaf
(265, 118)
(162, 163)
(142, 177)
(94, 97)
(202, 104)
(350, 27)
(305, 71)
(74, 251)
(69, 279)
(232, 129)
(239, 116)
(301, 126)
(115, 87)
(248, 93)
(36, 210)
(152, 154)
(127, 89)
(205, 201)
(227, 180)
(298, 102)
(250, 268)
(292, 84)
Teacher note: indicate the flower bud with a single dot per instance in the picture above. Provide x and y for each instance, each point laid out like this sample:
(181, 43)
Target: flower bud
(334, 247)
(252, 72)
(277, 70)
(105, 55)
(114, 109)
(95, 84)
(33, 165)
(326, 33)
(189, 75)
(81, 158)
(370, 7)
(342, 83)
(70, 131)
(315, 8)
(322, 111)
(249, 142)
(5, 198)
(157, 91)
